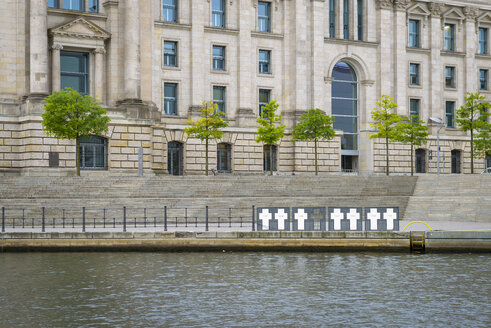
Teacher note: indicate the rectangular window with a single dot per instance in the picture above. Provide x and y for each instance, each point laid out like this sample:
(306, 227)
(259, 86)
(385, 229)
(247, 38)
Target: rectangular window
(346, 19)
(483, 41)
(219, 98)
(93, 6)
(77, 5)
(483, 79)
(264, 62)
(53, 4)
(449, 77)
(263, 16)
(218, 13)
(218, 58)
(170, 11)
(360, 20)
(332, 18)
(264, 99)
(449, 37)
(170, 98)
(449, 113)
(74, 67)
(413, 74)
(414, 33)
(170, 53)
(414, 109)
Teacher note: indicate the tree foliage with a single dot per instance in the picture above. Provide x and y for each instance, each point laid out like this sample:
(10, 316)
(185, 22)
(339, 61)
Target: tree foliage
(208, 127)
(385, 121)
(482, 142)
(69, 115)
(411, 131)
(471, 116)
(268, 131)
(314, 126)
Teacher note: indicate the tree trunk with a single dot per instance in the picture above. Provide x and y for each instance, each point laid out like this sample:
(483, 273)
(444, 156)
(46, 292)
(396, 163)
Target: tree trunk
(472, 151)
(206, 157)
(77, 156)
(271, 159)
(316, 167)
(412, 160)
(387, 154)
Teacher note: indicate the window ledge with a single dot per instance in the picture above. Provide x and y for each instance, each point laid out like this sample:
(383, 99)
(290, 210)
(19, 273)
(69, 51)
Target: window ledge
(173, 25)
(353, 42)
(415, 86)
(450, 89)
(64, 12)
(172, 68)
(452, 53)
(483, 56)
(267, 35)
(265, 75)
(213, 29)
(213, 71)
(411, 49)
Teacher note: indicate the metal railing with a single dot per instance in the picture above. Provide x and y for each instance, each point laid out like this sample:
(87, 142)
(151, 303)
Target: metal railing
(84, 219)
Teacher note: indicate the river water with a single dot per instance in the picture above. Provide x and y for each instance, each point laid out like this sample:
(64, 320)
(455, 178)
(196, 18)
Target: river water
(244, 290)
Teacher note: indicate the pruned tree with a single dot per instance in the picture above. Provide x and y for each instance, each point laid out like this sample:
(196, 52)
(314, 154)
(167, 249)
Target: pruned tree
(208, 127)
(69, 115)
(411, 131)
(268, 131)
(482, 142)
(385, 121)
(471, 116)
(315, 125)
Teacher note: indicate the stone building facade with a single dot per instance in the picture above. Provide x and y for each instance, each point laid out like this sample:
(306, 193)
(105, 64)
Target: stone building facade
(152, 63)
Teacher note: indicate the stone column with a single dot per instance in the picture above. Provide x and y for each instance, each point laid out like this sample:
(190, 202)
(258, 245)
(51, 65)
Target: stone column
(246, 70)
(302, 57)
(198, 63)
(471, 72)
(385, 58)
(401, 67)
(114, 76)
(353, 31)
(99, 74)
(436, 84)
(55, 67)
(132, 83)
(318, 87)
(38, 40)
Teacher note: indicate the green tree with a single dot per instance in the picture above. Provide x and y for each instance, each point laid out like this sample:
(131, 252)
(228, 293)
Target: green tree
(411, 131)
(268, 132)
(384, 122)
(314, 126)
(483, 142)
(471, 116)
(69, 115)
(208, 127)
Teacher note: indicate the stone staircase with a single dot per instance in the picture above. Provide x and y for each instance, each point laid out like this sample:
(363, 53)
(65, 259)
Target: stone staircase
(444, 198)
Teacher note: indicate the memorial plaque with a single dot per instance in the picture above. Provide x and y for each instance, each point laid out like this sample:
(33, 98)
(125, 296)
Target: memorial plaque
(273, 219)
(309, 219)
(382, 218)
(345, 219)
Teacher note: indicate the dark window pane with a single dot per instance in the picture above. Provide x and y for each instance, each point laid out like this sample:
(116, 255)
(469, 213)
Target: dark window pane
(346, 124)
(93, 6)
(343, 72)
(343, 107)
(349, 142)
(344, 90)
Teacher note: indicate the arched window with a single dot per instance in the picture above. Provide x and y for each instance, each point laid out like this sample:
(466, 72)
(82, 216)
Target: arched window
(93, 152)
(174, 157)
(345, 112)
(267, 150)
(224, 155)
(455, 161)
(420, 161)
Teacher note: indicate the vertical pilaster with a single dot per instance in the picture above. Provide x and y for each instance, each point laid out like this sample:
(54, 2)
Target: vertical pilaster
(247, 56)
(55, 67)
(99, 74)
(353, 31)
(147, 35)
(339, 19)
(114, 77)
(301, 56)
(132, 83)
(198, 85)
(400, 62)
(38, 47)
(436, 84)
(385, 57)
(470, 71)
(317, 77)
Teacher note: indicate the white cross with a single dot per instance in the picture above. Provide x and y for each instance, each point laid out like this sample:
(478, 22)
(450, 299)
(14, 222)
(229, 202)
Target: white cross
(353, 216)
(281, 216)
(390, 216)
(301, 216)
(265, 216)
(373, 217)
(337, 216)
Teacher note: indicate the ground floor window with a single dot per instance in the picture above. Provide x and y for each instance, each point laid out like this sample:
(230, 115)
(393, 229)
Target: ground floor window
(455, 161)
(420, 161)
(268, 152)
(175, 158)
(93, 152)
(224, 154)
(349, 163)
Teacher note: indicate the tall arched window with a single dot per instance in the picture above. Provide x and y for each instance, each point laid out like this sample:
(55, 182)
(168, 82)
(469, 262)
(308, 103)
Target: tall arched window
(345, 112)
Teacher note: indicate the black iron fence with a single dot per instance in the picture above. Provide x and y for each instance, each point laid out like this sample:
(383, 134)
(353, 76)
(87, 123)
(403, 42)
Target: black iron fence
(124, 218)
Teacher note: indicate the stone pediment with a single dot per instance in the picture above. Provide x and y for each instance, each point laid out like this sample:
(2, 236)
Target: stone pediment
(454, 13)
(80, 28)
(485, 18)
(418, 9)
